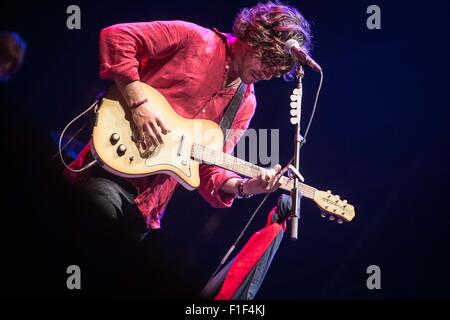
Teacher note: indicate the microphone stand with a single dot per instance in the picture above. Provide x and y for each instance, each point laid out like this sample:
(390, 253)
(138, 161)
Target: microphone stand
(298, 141)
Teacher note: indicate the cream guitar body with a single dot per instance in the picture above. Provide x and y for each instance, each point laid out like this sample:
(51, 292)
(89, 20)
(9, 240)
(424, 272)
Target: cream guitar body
(115, 144)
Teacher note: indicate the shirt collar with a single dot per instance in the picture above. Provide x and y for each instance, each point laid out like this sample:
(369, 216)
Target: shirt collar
(227, 38)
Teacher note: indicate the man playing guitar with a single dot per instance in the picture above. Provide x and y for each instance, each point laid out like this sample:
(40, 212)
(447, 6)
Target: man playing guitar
(198, 71)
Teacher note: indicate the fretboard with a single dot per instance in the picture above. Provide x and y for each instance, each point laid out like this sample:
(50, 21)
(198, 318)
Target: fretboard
(244, 168)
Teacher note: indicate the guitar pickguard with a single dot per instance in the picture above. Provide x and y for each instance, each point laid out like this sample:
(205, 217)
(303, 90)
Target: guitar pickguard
(174, 153)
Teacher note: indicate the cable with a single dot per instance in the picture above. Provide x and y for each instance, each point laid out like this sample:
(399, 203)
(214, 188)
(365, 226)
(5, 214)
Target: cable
(62, 135)
(70, 140)
(311, 117)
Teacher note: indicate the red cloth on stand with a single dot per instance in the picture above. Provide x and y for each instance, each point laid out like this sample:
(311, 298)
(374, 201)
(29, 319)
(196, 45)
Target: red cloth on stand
(249, 256)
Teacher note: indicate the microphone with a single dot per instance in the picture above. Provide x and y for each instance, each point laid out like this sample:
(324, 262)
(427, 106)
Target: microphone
(294, 49)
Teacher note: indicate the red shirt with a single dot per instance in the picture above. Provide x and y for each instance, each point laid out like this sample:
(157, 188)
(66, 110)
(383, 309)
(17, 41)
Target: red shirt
(188, 64)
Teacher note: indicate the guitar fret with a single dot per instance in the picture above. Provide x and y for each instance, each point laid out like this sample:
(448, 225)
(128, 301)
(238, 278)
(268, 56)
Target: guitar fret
(226, 161)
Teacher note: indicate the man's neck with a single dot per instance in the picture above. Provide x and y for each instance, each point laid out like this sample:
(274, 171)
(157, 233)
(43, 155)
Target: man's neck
(233, 84)
(233, 71)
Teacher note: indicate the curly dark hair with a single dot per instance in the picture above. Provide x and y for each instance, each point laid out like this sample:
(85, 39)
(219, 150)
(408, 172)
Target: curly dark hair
(268, 26)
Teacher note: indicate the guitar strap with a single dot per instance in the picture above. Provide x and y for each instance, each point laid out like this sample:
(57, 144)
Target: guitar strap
(232, 109)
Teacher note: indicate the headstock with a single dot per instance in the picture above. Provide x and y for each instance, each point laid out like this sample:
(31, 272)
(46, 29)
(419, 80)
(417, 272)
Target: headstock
(337, 209)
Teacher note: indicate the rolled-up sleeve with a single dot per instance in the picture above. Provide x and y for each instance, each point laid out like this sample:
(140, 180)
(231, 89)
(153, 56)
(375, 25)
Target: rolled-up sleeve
(211, 177)
(122, 46)
(211, 180)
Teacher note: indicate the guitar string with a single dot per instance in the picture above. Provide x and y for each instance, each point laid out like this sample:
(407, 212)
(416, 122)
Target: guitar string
(216, 157)
(307, 190)
(249, 169)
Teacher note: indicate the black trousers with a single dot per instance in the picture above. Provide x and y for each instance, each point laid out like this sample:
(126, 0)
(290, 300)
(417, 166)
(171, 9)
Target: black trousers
(115, 264)
(113, 198)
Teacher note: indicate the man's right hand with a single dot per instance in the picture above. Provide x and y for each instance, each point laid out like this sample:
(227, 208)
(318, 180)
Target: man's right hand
(149, 125)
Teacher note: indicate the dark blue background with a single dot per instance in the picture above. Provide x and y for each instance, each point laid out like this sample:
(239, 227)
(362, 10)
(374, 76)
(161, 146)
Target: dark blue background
(380, 139)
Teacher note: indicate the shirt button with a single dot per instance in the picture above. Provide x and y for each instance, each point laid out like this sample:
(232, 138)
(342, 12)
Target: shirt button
(227, 67)
(203, 110)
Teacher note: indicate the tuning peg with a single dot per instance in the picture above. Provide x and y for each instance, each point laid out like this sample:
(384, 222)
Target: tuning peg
(323, 215)
(340, 221)
(331, 218)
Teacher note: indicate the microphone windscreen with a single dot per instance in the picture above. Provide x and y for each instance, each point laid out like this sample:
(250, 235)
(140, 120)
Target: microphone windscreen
(292, 43)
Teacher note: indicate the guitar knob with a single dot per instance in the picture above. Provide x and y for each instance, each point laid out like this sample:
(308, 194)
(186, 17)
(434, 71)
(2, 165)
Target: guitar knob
(340, 221)
(121, 149)
(331, 218)
(323, 215)
(115, 137)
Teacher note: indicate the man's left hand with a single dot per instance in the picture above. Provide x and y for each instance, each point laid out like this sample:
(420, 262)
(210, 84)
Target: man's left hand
(264, 183)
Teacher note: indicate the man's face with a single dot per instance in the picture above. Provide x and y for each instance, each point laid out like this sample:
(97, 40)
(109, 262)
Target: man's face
(251, 69)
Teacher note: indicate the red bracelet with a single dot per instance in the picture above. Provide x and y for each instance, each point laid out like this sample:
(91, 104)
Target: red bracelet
(138, 103)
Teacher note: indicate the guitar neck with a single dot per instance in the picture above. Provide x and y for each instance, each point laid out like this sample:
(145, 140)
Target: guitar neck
(244, 168)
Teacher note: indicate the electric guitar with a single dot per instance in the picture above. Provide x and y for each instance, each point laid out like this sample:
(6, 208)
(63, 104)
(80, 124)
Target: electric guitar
(115, 145)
